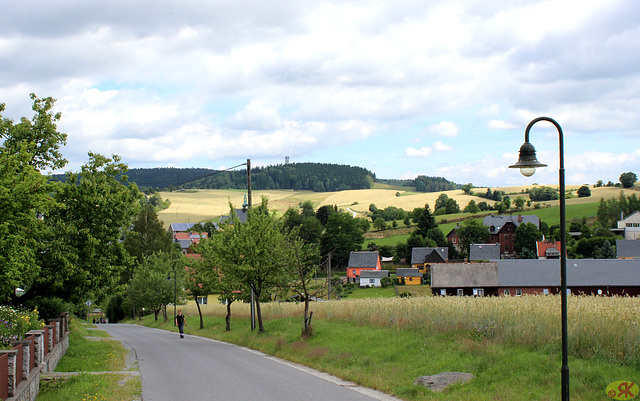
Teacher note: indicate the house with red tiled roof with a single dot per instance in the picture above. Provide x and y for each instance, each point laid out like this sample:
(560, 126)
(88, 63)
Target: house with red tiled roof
(548, 249)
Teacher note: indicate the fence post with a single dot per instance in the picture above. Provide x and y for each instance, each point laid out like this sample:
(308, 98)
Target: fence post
(12, 355)
(24, 370)
(40, 350)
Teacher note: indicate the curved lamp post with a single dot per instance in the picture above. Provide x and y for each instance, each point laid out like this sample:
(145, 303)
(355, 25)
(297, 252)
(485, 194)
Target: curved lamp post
(527, 163)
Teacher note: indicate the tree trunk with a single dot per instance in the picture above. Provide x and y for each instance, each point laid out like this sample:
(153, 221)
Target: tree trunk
(156, 312)
(228, 317)
(307, 331)
(199, 312)
(259, 314)
(164, 313)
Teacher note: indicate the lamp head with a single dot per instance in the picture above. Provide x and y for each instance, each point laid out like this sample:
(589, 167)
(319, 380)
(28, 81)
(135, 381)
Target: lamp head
(527, 161)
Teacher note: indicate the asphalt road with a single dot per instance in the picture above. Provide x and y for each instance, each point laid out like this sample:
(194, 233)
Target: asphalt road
(196, 368)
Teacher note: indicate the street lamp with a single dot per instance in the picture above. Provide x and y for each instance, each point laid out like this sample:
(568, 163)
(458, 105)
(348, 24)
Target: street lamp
(527, 163)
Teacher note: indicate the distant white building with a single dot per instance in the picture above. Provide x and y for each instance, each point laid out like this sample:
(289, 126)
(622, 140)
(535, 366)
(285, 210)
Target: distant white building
(630, 226)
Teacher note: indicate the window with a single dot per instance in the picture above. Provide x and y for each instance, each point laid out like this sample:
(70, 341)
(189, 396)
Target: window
(545, 291)
(506, 291)
(478, 292)
(372, 281)
(518, 292)
(443, 292)
(202, 300)
(460, 292)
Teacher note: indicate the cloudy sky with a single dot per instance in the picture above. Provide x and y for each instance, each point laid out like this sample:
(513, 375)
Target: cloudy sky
(401, 87)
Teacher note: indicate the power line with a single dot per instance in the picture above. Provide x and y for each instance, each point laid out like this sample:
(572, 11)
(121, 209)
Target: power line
(185, 180)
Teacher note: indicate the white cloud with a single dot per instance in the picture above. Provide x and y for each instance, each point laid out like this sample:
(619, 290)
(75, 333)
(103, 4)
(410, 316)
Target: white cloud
(422, 152)
(445, 128)
(499, 124)
(441, 147)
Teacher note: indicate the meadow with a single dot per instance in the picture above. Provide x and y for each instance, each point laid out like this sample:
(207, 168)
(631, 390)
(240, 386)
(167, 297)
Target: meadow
(511, 344)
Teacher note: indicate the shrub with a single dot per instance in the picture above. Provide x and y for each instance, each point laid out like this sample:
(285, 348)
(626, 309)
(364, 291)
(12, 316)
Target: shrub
(49, 308)
(15, 323)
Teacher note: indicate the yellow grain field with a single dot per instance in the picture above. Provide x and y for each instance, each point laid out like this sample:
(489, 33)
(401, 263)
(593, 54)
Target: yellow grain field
(202, 205)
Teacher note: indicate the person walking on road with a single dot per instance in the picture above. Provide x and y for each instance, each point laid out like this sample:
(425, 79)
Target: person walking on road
(180, 322)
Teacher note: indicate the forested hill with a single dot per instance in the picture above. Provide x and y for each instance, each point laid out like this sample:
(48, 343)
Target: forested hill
(318, 177)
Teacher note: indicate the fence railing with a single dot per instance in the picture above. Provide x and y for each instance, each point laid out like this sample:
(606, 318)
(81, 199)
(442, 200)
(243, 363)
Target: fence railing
(39, 350)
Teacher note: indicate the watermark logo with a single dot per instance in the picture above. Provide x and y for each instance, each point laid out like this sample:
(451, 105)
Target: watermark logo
(622, 390)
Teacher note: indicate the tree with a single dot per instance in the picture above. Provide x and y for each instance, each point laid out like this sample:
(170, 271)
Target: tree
(472, 207)
(519, 203)
(251, 253)
(24, 198)
(199, 282)
(301, 267)
(628, 179)
(149, 287)
(472, 231)
(147, 235)
(467, 188)
(425, 221)
(343, 234)
(584, 192)
(526, 236)
(380, 224)
(541, 194)
(324, 212)
(38, 137)
(84, 254)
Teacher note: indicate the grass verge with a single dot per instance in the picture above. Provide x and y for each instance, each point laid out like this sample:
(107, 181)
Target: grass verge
(91, 351)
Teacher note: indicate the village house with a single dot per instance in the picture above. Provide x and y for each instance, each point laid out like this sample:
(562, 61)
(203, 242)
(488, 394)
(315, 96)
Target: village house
(372, 278)
(548, 249)
(484, 252)
(502, 230)
(422, 257)
(629, 227)
(514, 277)
(409, 276)
(359, 261)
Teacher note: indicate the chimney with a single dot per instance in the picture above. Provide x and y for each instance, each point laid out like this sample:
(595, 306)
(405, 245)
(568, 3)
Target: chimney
(519, 218)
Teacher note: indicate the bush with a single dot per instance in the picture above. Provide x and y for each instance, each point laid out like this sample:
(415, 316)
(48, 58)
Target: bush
(15, 323)
(49, 308)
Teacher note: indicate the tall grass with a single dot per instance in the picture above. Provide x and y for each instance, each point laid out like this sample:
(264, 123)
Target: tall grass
(606, 328)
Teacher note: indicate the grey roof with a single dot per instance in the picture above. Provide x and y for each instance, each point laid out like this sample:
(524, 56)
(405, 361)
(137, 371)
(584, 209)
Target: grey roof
(484, 252)
(629, 248)
(242, 216)
(460, 275)
(580, 272)
(374, 273)
(363, 259)
(175, 227)
(185, 243)
(420, 254)
(495, 223)
(408, 272)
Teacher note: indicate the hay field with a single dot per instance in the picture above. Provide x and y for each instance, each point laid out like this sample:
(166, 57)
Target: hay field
(202, 205)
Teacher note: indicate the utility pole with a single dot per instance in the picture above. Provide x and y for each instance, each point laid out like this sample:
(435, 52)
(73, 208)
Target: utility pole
(253, 301)
(329, 276)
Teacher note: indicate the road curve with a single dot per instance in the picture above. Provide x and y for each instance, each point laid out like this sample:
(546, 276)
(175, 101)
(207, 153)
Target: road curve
(197, 368)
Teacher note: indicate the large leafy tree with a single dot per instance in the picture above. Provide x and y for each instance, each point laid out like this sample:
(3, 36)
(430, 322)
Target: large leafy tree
(343, 234)
(472, 231)
(84, 254)
(628, 179)
(24, 198)
(526, 236)
(151, 286)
